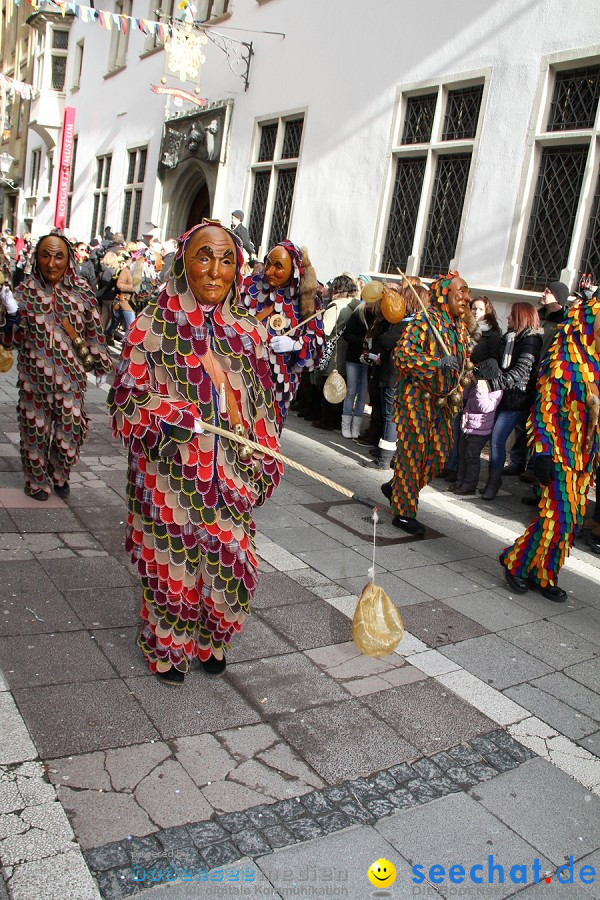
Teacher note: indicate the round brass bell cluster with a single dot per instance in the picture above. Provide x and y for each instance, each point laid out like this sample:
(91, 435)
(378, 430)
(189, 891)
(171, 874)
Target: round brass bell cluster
(84, 355)
(243, 451)
(454, 399)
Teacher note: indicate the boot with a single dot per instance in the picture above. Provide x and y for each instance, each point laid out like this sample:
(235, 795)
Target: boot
(493, 485)
(383, 461)
(356, 423)
(347, 426)
(327, 420)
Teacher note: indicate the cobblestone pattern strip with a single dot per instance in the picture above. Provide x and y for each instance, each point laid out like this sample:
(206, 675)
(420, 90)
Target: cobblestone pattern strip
(229, 837)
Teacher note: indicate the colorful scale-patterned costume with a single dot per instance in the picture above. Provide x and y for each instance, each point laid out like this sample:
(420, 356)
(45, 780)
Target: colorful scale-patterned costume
(190, 530)
(558, 428)
(286, 368)
(424, 429)
(52, 382)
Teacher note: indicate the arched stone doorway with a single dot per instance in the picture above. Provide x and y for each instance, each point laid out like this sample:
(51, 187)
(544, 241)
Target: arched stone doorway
(200, 207)
(188, 194)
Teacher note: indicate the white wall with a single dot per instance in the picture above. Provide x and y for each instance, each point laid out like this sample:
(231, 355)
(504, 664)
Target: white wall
(343, 61)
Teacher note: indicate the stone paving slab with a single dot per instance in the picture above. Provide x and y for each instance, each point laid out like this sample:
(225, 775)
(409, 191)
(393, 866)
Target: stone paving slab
(456, 830)
(527, 799)
(437, 624)
(93, 716)
(296, 622)
(551, 643)
(43, 659)
(500, 663)
(278, 589)
(39, 614)
(106, 607)
(561, 716)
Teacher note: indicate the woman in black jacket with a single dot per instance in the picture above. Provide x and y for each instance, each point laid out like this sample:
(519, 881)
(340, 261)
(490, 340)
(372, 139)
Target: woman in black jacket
(357, 372)
(520, 351)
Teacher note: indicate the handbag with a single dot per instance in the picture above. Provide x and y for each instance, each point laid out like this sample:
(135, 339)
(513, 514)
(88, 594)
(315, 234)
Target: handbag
(328, 352)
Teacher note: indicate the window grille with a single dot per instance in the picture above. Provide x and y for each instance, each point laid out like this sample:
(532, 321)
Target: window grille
(60, 40)
(418, 121)
(590, 261)
(403, 213)
(283, 206)
(575, 99)
(103, 167)
(553, 214)
(268, 137)
(292, 139)
(448, 197)
(59, 68)
(132, 199)
(462, 113)
(262, 180)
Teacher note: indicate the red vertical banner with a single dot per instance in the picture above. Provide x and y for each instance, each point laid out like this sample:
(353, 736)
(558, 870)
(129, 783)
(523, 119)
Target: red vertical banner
(64, 169)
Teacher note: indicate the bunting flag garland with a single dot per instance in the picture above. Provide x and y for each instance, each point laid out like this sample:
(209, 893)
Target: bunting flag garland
(109, 20)
(12, 86)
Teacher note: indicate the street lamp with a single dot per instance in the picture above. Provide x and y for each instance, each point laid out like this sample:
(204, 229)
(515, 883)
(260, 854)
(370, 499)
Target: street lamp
(6, 161)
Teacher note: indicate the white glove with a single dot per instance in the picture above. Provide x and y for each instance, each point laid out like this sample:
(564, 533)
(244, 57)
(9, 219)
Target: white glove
(101, 379)
(9, 302)
(198, 429)
(283, 344)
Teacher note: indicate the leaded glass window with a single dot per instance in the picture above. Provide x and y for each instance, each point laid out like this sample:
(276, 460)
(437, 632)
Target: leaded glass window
(403, 213)
(448, 197)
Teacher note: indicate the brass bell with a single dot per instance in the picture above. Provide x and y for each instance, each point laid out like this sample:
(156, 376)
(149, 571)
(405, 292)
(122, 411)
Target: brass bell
(243, 451)
(77, 343)
(454, 398)
(426, 395)
(469, 366)
(88, 362)
(465, 381)
(440, 402)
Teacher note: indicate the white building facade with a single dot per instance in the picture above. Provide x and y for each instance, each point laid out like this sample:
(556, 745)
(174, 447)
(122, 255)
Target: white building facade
(379, 135)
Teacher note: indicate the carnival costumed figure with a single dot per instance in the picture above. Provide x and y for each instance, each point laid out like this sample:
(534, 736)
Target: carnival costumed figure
(195, 355)
(563, 434)
(56, 331)
(428, 394)
(282, 296)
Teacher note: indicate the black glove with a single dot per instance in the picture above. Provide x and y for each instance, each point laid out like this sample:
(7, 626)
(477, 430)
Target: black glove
(543, 467)
(488, 369)
(449, 363)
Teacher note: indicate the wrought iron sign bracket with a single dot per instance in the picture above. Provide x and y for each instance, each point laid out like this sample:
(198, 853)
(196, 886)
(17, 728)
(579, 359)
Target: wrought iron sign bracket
(239, 54)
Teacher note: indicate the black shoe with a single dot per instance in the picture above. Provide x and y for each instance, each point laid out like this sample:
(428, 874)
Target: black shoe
(367, 441)
(63, 490)
(376, 463)
(550, 591)
(171, 677)
(214, 666)
(386, 490)
(515, 582)
(36, 495)
(451, 476)
(411, 526)
(511, 469)
(530, 501)
(528, 477)
(592, 541)
(323, 425)
(465, 491)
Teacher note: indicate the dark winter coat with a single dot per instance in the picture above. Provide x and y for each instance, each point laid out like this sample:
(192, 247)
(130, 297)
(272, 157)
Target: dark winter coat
(384, 345)
(550, 322)
(518, 380)
(487, 347)
(354, 337)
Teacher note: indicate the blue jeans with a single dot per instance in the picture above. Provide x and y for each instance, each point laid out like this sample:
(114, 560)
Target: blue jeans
(356, 383)
(504, 425)
(389, 431)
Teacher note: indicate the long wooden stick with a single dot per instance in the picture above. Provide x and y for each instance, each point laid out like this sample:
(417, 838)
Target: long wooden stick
(214, 429)
(319, 312)
(436, 333)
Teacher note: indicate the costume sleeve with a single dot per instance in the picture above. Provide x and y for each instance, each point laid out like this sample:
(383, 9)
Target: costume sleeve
(410, 355)
(12, 328)
(312, 337)
(138, 410)
(94, 339)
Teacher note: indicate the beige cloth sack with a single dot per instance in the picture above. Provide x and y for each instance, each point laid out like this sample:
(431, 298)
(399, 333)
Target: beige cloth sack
(377, 626)
(6, 360)
(334, 389)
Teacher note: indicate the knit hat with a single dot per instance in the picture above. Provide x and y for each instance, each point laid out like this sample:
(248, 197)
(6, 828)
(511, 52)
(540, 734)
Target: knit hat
(238, 214)
(560, 291)
(365, 278)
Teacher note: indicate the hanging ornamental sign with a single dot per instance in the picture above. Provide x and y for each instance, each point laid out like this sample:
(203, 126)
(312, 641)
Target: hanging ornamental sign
(184, 50)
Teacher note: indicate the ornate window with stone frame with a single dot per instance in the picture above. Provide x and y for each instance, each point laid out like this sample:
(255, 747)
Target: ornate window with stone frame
(277, 150)
(119, 40)
(557, 223)
(436, 135)
(132, 200)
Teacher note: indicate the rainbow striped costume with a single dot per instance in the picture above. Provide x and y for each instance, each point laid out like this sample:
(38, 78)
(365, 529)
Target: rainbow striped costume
(557, 428)
(424, 429)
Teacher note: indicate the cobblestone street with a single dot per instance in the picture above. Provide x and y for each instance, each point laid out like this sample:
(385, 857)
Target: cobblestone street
(307, 761)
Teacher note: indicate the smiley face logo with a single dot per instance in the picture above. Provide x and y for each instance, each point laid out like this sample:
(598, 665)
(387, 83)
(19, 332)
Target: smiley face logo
(382, 873)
